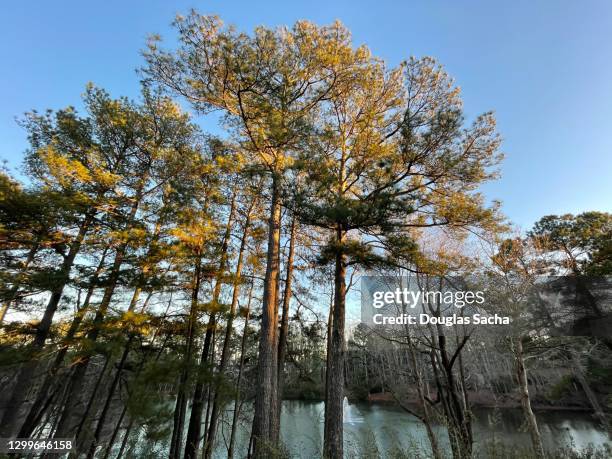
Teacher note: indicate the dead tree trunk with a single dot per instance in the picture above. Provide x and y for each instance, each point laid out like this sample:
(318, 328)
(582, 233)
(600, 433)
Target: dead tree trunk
(532, 423)
(591, 397)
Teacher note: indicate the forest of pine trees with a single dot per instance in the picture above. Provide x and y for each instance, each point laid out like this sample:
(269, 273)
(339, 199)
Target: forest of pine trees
(160, 285)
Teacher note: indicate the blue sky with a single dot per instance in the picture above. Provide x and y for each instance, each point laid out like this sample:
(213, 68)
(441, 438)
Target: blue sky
(544, 67)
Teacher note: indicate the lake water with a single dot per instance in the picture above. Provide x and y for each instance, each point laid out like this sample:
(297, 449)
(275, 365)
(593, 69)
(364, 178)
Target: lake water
(381, 428)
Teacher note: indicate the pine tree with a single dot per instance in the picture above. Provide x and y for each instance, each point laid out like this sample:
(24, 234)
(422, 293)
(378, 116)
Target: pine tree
(392, 155)
(269, 86)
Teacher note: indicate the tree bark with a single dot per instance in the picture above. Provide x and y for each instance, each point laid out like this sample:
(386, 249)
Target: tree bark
(532, 423)
(333, 447)
(328, 343)
(117, 377)
(26, 375)
(181, 399)
(91, 406)
(109, 399)
(126, 437)
(214, 416)
(113, 437)
(65, 426)
(284, 327)
(265, 424)
(36, 410)
(195, 420)
(230, 451)
(192, 443)
(591, 397)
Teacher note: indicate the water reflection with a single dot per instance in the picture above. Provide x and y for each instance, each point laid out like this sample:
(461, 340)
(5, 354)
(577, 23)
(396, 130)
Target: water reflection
(381, 428)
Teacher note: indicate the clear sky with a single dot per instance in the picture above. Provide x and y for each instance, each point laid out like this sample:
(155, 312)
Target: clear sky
(544, 67)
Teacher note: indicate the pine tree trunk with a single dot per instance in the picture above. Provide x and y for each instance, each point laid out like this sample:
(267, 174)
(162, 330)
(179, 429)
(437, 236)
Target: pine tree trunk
(181, 399)
(133, 302)
(65, 428)
(36, 412)
(113, 437)
(284, 327)
(126, 437)
(328, 344)
(230, 450)
(138, 370)
(265, 426)
(333, 436)
(175, 432)
(192, 443)
(214, 416)
(91, 407)
(26, 376)
(195, 420)
(45, 324)
(109, 399)
(117, 377)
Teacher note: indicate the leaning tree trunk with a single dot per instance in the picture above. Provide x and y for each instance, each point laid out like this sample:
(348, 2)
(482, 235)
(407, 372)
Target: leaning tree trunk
(91, 406)
(334, 390)
(26, 375)
(37, 409)
(126, 437)
(118, 373)
(265, 424)
(65, 427)
(136, 374)
(106, 407)
(113, 437)
(591, 397)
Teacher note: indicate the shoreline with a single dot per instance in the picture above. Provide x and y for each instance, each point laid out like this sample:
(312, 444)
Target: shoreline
(387, 399)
